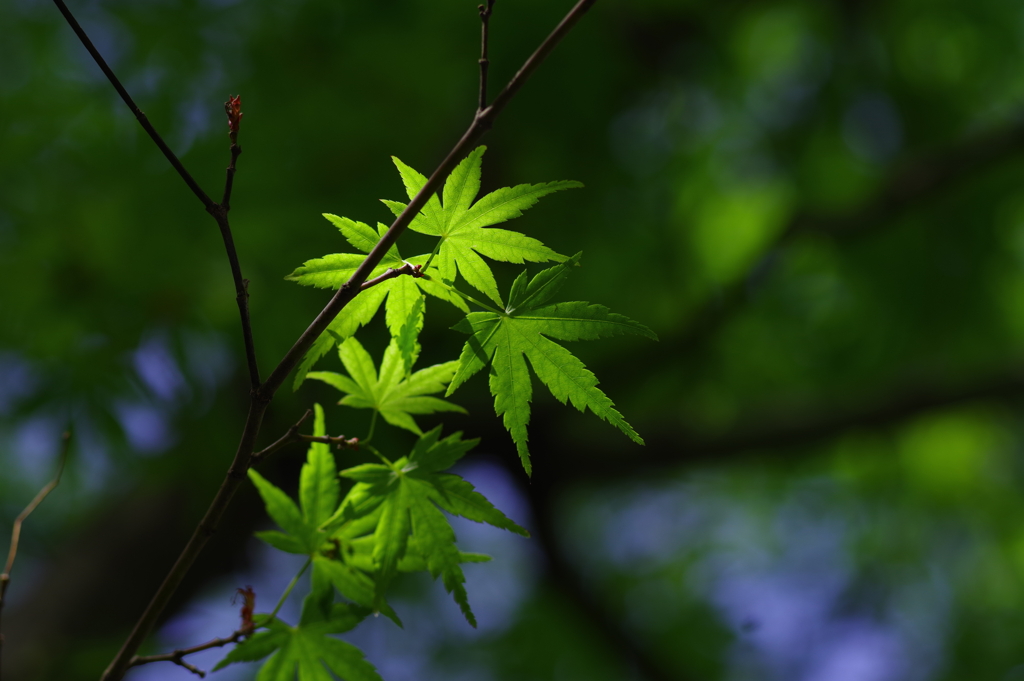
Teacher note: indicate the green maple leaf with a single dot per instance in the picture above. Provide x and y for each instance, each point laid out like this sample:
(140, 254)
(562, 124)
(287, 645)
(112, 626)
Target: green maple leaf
(392, 392)
(465, 227)
(319, 495)
(308, 526)
(524, 329)
(404, 500)
(308, 650)
(402, 293)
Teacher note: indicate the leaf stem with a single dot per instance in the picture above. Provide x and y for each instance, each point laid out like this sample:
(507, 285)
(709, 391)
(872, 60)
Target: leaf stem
(288, 590)
(437, 247)
(373, 425)
(467, 297)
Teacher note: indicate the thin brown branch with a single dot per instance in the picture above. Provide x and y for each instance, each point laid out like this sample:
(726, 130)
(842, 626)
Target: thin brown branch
(177, 655)
(143, 121)
(233, 109)
(229, 180)
(292, 435)
(407, 268)
(220, 214)
(218, 211)
(485, 20)
(261, 397)
(339, 441)
(12, 553)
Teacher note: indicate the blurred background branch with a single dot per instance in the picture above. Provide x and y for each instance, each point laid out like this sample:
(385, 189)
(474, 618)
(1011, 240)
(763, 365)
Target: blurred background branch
(830, 193)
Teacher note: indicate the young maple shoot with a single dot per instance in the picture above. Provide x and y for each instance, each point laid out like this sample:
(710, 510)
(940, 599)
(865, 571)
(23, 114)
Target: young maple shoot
(464, 231)
(393, 393)
(392, 519)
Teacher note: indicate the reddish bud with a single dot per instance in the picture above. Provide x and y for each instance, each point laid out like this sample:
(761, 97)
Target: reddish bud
(233, 108)
(248, 606)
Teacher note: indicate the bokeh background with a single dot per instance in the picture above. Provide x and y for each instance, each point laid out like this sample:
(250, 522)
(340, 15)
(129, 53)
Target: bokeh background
(817, 205)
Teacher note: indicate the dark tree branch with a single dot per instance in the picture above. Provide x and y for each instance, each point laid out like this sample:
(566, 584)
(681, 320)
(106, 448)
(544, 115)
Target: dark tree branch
(177, 655)
(288, 438)
(485, 17)
(293, 435)
(913, 181)
(12, 553)
(568, 581)
(261, 397)
(218, 211)
(143, 121)
(669, 448)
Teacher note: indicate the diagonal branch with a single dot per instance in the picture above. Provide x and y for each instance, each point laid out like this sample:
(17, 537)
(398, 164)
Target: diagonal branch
(290, 436)
(219, 211)
(669, 447)
(260, 398)
(143, 121)
(5, 577)
(916, 180)
(293, 435)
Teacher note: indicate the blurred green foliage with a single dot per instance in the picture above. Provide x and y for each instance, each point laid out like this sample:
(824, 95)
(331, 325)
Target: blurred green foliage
(816, 205)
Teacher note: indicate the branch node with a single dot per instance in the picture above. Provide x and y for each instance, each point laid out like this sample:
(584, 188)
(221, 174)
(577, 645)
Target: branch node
(292, 435)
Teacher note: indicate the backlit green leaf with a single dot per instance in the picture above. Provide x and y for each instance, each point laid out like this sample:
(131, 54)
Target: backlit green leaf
(509, 338)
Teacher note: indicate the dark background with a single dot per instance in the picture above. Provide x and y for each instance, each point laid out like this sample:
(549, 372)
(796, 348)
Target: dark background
(816, 205)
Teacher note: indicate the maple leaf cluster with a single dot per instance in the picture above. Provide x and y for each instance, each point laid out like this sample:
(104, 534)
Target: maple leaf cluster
(392, 518)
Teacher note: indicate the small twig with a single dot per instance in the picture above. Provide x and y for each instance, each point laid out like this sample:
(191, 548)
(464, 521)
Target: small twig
(289, 437)
(233, 109)
(407, 268)
(293, 435)
(5, 577)
(339, 441)
(485, 16)
(217, 210)
(177, 655)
